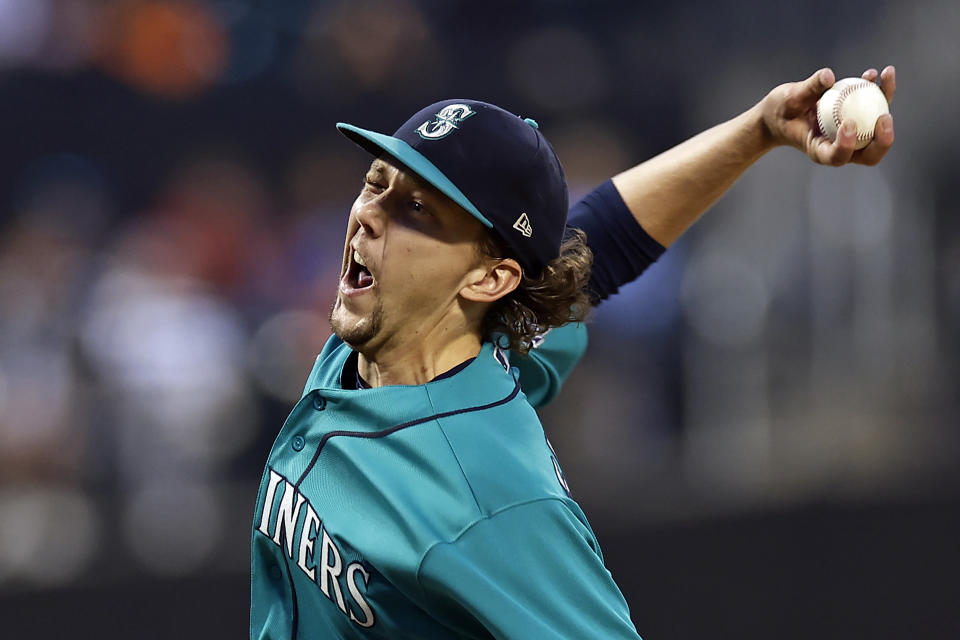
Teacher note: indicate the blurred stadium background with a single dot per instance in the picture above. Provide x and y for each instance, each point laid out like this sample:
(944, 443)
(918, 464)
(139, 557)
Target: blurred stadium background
(764, 433)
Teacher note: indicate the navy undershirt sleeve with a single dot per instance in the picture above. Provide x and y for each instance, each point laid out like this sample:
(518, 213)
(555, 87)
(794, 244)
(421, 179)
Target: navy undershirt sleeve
(622, 250)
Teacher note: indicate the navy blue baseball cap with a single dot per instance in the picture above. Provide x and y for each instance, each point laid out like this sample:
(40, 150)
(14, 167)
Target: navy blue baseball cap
(494, 164)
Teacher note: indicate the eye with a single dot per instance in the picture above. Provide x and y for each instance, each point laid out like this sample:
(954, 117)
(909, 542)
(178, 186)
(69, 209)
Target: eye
(419, 207)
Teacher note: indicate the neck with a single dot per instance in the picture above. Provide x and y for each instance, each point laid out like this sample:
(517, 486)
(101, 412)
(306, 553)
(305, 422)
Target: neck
(416, 363)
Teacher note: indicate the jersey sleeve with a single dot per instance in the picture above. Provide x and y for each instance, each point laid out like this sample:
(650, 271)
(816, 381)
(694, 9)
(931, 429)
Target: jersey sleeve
(531, 571)
(622, 249)
(545, 367)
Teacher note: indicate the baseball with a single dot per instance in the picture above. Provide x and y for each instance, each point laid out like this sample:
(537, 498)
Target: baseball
(852, 99)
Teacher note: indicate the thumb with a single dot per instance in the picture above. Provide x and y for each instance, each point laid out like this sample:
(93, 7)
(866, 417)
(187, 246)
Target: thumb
(805, 93)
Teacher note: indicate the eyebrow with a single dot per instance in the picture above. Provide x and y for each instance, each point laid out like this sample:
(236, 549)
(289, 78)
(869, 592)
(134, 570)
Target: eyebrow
(425, 190)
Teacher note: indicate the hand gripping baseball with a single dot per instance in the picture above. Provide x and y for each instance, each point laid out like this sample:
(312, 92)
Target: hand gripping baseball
(790, 117)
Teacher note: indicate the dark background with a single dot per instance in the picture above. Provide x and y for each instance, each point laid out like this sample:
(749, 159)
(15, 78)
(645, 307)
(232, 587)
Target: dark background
(763, 433)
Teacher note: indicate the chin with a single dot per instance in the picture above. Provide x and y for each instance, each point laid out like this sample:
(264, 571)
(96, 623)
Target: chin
(355, 330)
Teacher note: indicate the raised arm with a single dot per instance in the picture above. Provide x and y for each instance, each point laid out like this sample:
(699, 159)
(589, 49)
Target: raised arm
(667, 193)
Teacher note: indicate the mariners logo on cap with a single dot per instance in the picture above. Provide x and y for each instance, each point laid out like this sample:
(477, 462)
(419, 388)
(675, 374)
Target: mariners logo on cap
(446, 122)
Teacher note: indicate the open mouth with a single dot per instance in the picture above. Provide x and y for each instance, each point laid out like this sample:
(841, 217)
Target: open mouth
(358, 277)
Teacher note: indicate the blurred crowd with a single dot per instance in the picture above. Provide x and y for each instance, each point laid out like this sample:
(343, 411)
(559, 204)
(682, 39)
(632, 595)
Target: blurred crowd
(173, 199)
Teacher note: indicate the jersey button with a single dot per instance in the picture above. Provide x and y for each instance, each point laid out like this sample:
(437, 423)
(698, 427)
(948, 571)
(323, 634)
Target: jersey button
(319, 403)
(298, 443)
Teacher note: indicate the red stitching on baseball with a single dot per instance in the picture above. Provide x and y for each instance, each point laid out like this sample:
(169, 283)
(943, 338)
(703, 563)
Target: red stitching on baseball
(846, 91)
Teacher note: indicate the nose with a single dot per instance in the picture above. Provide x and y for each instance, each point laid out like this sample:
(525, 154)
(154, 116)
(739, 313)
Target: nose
(371, 214)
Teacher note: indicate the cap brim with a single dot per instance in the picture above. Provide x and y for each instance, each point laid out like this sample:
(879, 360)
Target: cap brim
(415, 161)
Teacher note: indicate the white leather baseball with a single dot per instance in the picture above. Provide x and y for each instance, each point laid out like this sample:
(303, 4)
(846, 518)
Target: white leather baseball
(852, 99)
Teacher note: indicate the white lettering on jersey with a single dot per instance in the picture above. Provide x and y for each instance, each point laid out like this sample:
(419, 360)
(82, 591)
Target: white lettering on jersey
(275, 479)
(287, 517)
(357, 596)
(561, 478)
(502, 357)
(330, 572)
(328, 559)
(538, 339)
(311, 527)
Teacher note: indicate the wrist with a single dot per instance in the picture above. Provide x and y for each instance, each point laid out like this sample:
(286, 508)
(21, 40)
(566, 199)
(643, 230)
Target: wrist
(758, 133)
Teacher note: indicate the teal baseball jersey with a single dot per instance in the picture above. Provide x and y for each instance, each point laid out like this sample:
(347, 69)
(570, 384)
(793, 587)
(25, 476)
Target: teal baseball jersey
(428, 511)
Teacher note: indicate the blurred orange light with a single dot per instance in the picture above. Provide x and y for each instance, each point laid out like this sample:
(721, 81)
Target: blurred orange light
(173, 49)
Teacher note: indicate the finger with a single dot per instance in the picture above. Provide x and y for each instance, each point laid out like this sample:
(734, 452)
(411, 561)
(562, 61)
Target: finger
(804, 94)
(881, 143)
(840, 151)
(888, 82)
(870, 74)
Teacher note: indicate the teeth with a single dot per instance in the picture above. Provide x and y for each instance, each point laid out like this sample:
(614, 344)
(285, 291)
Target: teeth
(358, 259)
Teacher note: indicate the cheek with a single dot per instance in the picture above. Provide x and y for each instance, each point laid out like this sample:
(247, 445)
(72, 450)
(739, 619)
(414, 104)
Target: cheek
(429, 274)
(352, 223)
(352, 226)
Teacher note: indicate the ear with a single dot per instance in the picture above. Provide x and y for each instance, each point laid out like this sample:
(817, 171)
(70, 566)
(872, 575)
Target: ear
(492, 280)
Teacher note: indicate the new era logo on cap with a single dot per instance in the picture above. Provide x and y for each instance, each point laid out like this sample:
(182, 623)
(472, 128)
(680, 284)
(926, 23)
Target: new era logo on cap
(523, 225)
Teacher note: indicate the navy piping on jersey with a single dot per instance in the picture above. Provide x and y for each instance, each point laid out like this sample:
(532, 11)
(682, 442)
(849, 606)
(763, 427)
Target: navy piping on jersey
(360, 383)
(395, 428)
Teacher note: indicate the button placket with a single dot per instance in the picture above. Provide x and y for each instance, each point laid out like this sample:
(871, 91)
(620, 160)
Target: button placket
(319, 402)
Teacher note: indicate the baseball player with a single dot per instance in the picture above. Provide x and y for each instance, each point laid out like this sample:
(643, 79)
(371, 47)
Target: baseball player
(412, 492)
